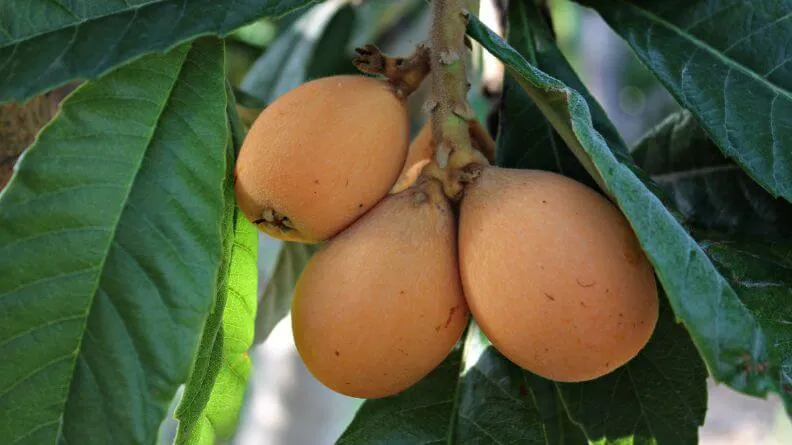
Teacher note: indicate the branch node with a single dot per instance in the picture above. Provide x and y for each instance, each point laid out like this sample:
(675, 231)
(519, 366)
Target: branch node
(404, 73)
(448, 57)
(430, 105)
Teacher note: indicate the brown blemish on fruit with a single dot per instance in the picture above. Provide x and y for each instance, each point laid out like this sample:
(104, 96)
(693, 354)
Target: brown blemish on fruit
(337, 353)
(581, 284)
(451, 314)
(550, 297)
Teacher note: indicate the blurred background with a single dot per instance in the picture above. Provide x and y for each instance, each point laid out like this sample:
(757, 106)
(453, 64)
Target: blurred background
(284, 404)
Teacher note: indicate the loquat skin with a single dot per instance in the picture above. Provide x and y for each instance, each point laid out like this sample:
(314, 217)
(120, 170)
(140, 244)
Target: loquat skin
(553, 274)
(381, 305)
(321, 156)
(419, 154)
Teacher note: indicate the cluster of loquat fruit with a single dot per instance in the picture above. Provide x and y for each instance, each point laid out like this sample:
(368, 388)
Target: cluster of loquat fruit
(549, 269)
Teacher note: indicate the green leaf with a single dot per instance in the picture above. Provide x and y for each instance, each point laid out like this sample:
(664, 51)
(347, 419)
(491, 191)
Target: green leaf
(728, 63)
(761, 273)
(275, 301)
(658, 397)
(740, 226)
(526, 139)
(110, 245)
(710, 191)
(305, 50)
(213, 397)
(723, 329)
(44, 43)
(475, 396)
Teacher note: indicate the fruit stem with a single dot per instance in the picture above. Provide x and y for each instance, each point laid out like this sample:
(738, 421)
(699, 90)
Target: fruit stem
(451, 113)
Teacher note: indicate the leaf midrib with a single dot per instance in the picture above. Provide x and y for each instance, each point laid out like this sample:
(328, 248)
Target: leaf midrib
(102, 263)
(652, 17)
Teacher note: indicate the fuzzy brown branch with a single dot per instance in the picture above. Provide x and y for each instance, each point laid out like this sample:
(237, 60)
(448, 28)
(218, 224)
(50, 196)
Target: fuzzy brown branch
(451, 113)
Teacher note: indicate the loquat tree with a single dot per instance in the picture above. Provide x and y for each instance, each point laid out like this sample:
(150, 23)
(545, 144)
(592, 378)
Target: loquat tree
(513, 273)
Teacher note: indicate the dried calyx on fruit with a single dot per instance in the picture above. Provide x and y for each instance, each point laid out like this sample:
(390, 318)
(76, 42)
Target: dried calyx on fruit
(320, 156)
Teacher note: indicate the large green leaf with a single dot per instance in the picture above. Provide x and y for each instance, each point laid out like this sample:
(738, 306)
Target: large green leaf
(211, 403)
(275, 301)
(761, 273)
(724, 330)
(740, 226)
(310, 47)
(710, 191)
(728, 62)
(46, 43)
(526, 139)
(110, 246)
(213, 399)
